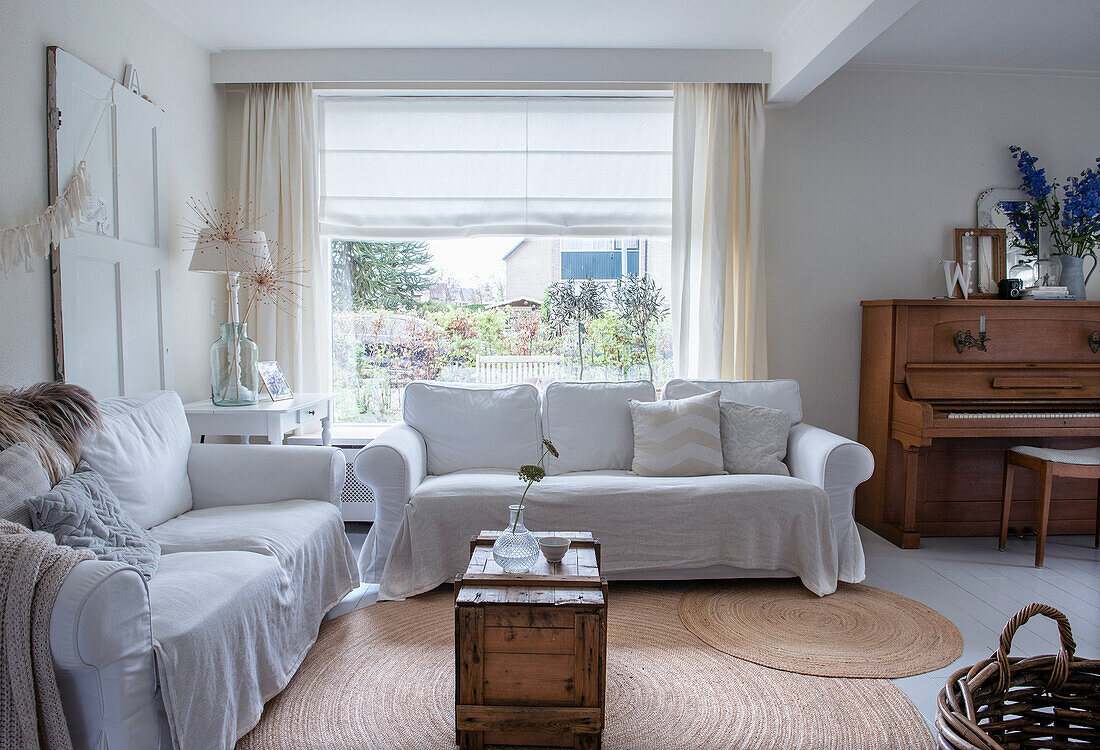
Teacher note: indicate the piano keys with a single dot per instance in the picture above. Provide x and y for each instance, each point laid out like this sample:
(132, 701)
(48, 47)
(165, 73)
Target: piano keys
(1063, 415)
(939, 407)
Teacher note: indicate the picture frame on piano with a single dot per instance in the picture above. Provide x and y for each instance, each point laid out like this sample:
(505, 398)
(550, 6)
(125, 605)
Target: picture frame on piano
(986, 247)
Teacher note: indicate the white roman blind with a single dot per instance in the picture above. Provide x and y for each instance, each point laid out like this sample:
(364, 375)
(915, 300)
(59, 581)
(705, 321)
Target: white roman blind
(456, 166)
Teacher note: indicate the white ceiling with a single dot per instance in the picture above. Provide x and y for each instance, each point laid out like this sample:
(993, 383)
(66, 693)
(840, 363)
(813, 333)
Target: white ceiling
(317, 24)
(1012, 35)
(793, 45)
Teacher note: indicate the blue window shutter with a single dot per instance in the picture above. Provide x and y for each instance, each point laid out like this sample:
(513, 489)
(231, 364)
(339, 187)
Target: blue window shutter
(592, 264)
(632, 261)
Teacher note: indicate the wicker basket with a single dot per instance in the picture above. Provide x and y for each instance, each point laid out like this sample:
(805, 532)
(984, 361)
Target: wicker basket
(1009, 703)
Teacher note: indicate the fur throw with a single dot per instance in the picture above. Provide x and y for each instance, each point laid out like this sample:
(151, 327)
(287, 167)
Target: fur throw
(51, 418)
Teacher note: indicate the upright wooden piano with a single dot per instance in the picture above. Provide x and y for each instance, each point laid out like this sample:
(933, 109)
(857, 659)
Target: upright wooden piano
(940, 402)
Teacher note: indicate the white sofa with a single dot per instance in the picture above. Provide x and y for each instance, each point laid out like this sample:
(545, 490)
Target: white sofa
(449, 470)
(253, 556)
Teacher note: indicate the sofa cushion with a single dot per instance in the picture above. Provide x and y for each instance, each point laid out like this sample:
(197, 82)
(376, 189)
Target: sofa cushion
(141, 451)
(475, 427)
(81, 511)
(21, 478)
(774, 394)
(590, 425)
(748, 521)
(678, 438)
(754, 439)
(238, 599)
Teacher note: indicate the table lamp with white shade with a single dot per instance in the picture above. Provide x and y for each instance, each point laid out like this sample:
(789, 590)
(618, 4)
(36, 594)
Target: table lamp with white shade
(234, 375)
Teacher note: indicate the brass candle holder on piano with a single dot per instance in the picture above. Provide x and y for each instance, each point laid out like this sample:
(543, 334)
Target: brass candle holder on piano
(965, 340)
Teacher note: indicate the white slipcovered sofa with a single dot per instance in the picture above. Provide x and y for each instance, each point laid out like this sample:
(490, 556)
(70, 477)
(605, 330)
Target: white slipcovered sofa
(449, 471)
(253, 556)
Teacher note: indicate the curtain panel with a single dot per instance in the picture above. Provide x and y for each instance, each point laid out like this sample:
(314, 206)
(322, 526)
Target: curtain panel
(456, 166)
(278, 185)
(718, 324)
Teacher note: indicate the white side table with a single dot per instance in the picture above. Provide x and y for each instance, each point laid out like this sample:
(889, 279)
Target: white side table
(271, 418)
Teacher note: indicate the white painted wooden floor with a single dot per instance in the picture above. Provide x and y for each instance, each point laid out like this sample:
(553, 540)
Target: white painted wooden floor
(979, 588)
(971, 583)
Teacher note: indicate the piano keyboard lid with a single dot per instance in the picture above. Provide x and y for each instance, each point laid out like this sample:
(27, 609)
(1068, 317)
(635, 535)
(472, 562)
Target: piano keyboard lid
(963, 383)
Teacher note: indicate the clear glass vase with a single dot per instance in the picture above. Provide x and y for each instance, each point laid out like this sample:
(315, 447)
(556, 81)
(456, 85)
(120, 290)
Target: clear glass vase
(234, 370)
(516, 550)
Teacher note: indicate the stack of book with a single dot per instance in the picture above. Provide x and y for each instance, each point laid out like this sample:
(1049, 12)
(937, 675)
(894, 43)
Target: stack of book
(1048, 292)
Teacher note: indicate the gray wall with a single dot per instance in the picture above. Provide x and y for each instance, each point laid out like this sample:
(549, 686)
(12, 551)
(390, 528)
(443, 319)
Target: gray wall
(175, 73)
(865, 180)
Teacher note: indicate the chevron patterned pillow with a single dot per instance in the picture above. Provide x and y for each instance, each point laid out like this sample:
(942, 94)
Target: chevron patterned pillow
(679, 438)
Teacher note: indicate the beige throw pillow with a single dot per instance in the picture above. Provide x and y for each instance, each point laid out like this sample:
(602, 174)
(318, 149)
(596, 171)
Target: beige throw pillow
(677, 438)
(754, 439)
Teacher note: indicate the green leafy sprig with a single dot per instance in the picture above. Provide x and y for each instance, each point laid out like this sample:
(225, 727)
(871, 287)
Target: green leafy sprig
(532, 473)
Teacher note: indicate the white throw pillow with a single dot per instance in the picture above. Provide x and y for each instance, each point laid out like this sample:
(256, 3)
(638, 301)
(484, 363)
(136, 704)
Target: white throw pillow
(678, 438)
(142, 452)
(474, 427)
(754, 439)
(774, 394)
(590, 425)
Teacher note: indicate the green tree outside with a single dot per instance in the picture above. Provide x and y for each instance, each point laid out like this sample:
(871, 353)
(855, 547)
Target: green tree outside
(386, 275)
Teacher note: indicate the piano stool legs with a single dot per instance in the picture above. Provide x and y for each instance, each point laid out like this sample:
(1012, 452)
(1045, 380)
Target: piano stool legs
(1006, 502)
(1047, 470)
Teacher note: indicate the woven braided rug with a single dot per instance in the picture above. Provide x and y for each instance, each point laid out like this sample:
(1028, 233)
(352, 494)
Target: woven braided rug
(383, 678)
(859, 631)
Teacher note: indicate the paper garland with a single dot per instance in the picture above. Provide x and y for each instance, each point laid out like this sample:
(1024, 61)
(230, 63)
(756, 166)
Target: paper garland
(24, 243)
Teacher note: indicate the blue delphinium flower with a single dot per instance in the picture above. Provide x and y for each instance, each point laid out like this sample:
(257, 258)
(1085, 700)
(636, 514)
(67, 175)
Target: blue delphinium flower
(1035, 180)
(1082, 204)
(1073, 219)
(1025, 225)
(1081, 211)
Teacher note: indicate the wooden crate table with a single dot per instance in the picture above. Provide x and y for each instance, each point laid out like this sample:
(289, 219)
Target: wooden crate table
(531, 649)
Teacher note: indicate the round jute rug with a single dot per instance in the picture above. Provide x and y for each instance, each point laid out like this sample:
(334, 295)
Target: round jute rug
(859, 631)
(383, 678)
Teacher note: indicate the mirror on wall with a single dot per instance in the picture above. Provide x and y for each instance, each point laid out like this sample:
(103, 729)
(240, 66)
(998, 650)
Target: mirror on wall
(993, 207)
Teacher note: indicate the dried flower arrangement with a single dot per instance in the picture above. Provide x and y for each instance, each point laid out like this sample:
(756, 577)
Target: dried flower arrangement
(275, 281)
(223, 226)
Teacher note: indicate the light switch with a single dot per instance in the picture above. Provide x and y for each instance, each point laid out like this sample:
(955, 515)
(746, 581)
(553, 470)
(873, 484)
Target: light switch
(213, 308)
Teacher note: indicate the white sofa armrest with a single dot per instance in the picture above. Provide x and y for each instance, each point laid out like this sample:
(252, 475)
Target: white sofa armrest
(392, 465)
(837, 465)
(246, 474)
(102, 648)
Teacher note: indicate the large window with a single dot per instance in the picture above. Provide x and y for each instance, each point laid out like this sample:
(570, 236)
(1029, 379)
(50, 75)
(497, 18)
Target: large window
(461, 226)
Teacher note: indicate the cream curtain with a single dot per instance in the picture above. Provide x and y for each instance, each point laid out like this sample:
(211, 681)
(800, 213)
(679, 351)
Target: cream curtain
(278, 184)
(717, 255)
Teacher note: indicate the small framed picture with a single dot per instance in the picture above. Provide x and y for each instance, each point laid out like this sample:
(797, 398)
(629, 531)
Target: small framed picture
(274, 381)
(984, 249)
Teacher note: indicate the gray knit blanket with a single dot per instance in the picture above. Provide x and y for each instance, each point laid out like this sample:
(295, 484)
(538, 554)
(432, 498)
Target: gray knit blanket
(32, 569)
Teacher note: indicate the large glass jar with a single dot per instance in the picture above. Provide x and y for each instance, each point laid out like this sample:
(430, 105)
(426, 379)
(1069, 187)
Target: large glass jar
(234, 370)
(1025, 272)
(516, 550)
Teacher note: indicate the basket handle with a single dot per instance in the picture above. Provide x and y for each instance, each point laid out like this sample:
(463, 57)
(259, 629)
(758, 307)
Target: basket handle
(1060, 672)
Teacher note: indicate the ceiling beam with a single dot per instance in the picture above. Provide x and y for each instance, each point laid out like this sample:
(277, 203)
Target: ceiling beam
(822, 37)
(528, 65)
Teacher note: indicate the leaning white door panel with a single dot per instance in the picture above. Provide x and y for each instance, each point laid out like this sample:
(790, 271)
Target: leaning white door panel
(110, 281)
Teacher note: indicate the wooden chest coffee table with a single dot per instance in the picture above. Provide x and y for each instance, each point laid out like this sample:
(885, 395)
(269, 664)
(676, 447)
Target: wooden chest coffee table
(531, 649)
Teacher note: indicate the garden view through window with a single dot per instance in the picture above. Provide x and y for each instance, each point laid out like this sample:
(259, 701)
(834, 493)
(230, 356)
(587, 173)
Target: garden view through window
(495, 310)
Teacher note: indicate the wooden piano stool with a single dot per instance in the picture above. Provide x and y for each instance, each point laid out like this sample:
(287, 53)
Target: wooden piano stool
(1048, 464)
(947, 386)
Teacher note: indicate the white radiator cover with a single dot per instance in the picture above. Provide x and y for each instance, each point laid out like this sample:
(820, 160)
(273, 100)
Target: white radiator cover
(357, 501)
